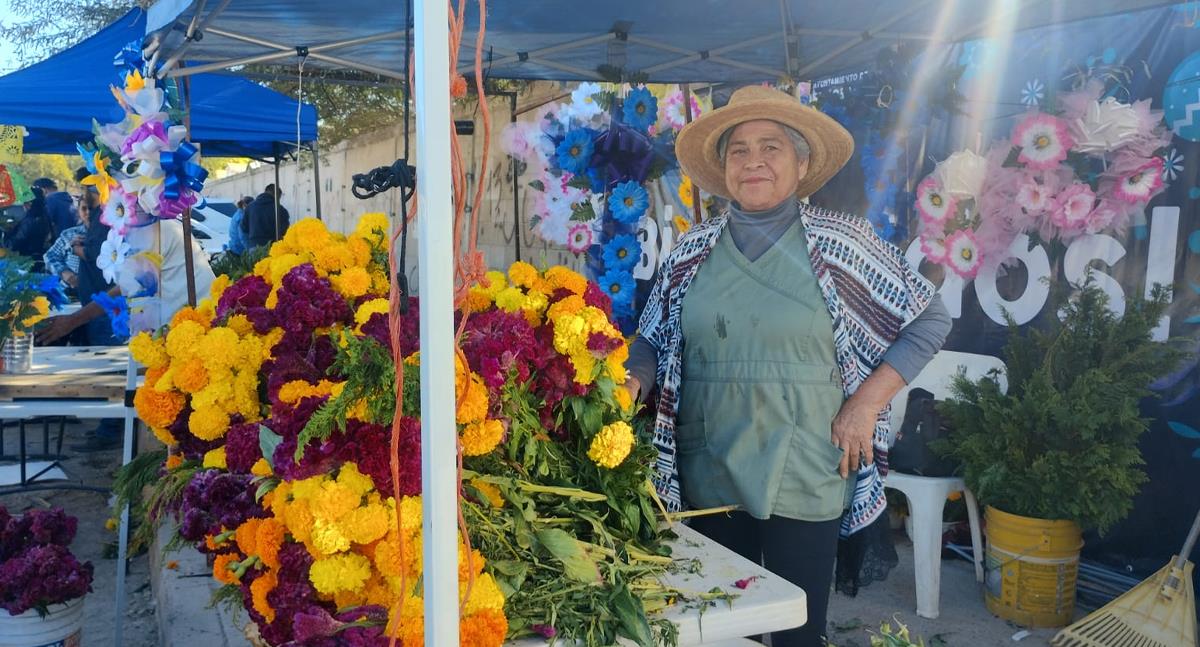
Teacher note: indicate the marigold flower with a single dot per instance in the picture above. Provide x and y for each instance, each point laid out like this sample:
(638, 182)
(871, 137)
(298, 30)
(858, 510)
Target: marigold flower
(571, 305)
(148, 351)
(334, 501)
(188, 313)
(489, 491)
(358, 483)
(623, 398)
(523, 274)
(477, 300)
(246, 536)
(374, 228)
(610, 447)
(158, 408)
(307, 234)
(261, 468)
(173, 460)
(366, 524)
(482, 437)
(484, 629)
(474, 403)
(184, 338)
(328, 538)
(493, 282)
(560, 276)
(215, 458)
(345, 572)
(510, 299)
(472, 567)
(208, 423)
(190, 375)
(360, 250)
(221, 568)
(259, 589)
(352, 282)
(485, 595)
(219, 349)
(218, 287)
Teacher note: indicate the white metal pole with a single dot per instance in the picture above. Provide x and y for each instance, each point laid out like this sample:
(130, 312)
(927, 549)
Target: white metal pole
(435, 239)
(123, 527)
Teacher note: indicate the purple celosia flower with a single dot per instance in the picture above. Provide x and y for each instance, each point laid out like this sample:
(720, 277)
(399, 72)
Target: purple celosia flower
(41, 576)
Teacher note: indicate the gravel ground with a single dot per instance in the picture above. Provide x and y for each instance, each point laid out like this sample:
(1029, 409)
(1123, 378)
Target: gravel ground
(94, 542)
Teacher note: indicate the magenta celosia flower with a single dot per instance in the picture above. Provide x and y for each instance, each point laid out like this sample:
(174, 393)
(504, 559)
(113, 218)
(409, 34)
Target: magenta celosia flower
(242, 447)
(40, 576)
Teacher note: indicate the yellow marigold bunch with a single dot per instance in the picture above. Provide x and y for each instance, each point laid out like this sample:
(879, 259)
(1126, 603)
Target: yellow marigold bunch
(208, 423)
(148, 351)
(373, 228)
(307, 235)
(610, 447)
(560, 277)
(352, 282)
(184, 338)
(42, 307)
(296, 390)
(524, 275)
(481, 437)
(215, 458)
(343, 572)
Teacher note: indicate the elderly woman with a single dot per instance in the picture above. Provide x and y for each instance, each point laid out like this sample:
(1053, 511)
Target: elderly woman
(777, 334)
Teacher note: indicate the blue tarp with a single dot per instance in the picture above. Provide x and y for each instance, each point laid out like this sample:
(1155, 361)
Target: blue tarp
(666, 41)
(56, 100)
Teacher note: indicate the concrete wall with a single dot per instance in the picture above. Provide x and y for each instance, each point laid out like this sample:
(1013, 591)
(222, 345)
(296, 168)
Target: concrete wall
(340, 209)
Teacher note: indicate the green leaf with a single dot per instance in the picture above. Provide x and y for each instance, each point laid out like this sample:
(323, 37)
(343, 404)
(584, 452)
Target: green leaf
(267, 442)
(632, 616)
(567, 550)
(580, 182)
(583, 212)
(537, 184)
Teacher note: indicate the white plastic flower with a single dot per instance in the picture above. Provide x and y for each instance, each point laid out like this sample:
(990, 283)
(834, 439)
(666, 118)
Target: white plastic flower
(583, 104)
(1106, 126)
(113, 252)
(962, 174)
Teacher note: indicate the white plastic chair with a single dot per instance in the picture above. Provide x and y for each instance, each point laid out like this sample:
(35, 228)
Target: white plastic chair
(927, 495)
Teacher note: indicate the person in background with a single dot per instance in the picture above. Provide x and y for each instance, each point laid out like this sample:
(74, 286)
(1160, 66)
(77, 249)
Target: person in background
(266, 220)
(59, 205)
(237, 235)
(60, 260)
(31, 237)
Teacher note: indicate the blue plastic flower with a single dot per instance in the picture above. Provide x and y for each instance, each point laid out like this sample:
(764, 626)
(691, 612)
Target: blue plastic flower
(575, 151)
(628, 202)
(622, 252)
(118, 313)
(640, 109)
(619, 286)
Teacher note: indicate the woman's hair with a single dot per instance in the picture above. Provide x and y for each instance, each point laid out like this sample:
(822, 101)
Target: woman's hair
(798, 142)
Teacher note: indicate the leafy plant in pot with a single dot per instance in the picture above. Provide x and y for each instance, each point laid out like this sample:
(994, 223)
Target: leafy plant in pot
(1058, 452)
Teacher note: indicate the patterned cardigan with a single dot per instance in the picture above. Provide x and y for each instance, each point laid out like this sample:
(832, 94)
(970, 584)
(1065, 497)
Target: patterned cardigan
(871, 292)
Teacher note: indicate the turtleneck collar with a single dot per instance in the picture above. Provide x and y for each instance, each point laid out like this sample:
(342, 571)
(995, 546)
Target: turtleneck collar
(754, 232)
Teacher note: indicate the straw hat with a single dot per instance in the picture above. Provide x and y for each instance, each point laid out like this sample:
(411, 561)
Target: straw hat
(696, 146)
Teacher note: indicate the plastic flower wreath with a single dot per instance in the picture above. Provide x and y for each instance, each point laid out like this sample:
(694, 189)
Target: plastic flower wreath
(628, 202)
(575, 151)
(640, 109)
(579, 238)
(619, 285)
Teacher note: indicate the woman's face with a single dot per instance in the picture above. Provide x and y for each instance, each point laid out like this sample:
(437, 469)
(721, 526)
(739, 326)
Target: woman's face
(761, 166)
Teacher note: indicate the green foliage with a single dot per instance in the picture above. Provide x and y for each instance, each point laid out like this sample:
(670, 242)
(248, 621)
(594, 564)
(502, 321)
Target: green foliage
(1062, 442)
(370, 376)
(145, 513)
(237, 266)
(45, 27)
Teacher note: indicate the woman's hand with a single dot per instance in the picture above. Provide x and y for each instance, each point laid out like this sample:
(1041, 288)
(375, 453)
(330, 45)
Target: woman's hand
(854, 432)
(634, 387)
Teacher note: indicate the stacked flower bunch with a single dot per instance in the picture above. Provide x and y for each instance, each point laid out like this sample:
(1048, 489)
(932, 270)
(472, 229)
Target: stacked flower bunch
(25, 297)
(276, 398)
(37, 569)
(590, 175)
(1088, 168)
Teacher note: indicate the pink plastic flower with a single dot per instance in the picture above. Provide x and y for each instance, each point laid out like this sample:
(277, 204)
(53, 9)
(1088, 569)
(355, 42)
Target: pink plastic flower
(579, 239)
(1033, 197)
(933, 205)
(1071, 208)
(962, 254)
(1044, 141)
(1140, 185)
(933, 248)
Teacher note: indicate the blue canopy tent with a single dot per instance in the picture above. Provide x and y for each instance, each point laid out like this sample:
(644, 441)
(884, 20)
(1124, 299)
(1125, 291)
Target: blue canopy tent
(56, 100)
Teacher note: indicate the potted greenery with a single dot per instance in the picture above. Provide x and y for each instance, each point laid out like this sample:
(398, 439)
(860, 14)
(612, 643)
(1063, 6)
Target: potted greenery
(1057, 453)
(25, 300)
(41, 583)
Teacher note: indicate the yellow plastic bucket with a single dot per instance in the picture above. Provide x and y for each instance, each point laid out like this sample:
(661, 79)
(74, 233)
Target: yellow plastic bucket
(1031, 565)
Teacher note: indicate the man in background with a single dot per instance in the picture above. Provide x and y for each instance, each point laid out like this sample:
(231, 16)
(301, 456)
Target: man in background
(60, 206)
(266, 220)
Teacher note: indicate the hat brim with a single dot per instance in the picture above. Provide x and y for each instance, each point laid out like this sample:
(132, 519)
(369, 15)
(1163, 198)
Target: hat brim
(830, 144)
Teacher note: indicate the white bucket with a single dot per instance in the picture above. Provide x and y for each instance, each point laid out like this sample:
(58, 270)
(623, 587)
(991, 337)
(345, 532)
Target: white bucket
(62, 627)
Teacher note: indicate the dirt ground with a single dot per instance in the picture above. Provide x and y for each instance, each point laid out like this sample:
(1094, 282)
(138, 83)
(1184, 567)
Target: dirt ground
(94, 542)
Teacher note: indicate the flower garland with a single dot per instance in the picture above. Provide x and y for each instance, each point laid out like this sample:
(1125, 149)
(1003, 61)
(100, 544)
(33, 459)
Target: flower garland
(276, 392)
(143, 169)
(1088, 168)
(591, 168)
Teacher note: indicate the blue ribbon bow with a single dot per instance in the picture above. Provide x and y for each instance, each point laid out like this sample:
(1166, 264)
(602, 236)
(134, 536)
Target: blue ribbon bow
(180, 171)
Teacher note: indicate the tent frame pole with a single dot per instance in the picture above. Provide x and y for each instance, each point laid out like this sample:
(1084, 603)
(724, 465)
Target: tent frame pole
(436, 257)
(275, 198)
(316, 177)
(284, 51)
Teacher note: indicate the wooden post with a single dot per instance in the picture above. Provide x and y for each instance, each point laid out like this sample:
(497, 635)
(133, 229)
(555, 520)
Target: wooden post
(189, 263)
(687, 119)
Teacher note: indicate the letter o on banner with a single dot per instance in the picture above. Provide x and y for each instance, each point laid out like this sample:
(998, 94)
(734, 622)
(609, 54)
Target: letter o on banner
(1032, 300)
